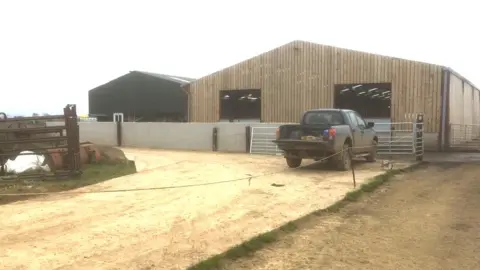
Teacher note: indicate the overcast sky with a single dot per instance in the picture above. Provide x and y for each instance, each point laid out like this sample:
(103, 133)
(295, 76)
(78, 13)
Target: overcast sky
(53, 52)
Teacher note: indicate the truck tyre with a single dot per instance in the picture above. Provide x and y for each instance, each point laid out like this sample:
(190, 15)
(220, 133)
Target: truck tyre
(294, 162)
(344, 161)
(372, 157)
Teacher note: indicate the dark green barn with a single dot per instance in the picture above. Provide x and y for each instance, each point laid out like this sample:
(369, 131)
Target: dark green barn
(141, 97)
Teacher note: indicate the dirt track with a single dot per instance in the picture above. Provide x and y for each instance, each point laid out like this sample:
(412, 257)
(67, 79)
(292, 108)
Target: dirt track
(429, 219)
(170, 228)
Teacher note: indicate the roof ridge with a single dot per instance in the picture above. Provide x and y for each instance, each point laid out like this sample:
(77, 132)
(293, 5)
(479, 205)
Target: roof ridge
(173, 78)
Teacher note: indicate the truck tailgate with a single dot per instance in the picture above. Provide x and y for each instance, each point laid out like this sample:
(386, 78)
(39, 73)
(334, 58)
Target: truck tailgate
(291, 144)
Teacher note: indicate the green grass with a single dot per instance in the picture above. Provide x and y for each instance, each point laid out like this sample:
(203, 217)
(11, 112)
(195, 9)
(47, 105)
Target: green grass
(258, 242)
(92, 174)
(96, 173)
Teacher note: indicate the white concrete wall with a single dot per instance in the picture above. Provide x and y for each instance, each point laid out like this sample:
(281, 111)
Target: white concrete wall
(102, 133)
(231, 136)
(186, 136)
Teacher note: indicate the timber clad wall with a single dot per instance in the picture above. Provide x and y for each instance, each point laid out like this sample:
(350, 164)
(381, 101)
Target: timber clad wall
(301, 75)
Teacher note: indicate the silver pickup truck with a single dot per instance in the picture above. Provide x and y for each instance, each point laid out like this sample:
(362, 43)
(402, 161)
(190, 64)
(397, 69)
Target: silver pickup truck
(324, 132)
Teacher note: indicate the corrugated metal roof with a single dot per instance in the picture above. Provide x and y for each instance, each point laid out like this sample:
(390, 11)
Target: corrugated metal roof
(177, 79)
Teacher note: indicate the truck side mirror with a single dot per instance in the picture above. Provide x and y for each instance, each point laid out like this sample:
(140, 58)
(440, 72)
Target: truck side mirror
(370, 124)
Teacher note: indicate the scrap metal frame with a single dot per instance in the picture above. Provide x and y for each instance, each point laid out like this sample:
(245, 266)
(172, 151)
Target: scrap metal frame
(60, 143)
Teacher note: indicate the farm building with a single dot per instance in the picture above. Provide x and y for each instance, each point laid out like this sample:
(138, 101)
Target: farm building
(279, 85)
(141, 96)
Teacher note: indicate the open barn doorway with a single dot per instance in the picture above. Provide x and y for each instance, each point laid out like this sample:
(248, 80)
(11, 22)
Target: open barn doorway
(240, 105)
(372, 100)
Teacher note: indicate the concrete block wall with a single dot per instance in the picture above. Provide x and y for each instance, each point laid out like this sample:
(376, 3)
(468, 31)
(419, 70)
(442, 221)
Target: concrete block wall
(185, 136)
(231, 136)
(430, 142)
(102, 133)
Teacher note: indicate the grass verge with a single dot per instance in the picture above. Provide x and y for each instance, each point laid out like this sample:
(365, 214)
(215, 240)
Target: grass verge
(258, 242)
(92, 174)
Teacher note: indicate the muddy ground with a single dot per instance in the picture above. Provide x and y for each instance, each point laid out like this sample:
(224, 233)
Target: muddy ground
(428, 219)
(190, 215)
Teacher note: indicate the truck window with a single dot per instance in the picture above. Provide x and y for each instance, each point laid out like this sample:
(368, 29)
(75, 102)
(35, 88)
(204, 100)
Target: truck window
(353, 119)
(332, 118)
(360, 120)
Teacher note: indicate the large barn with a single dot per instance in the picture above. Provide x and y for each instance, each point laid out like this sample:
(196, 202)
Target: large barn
(142, 97)
(279, 85)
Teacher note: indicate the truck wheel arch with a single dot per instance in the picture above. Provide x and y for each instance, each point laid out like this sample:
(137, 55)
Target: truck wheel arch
(348, 141)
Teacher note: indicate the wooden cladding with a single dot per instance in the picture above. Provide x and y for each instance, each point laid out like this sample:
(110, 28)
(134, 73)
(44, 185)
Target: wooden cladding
(301, 75)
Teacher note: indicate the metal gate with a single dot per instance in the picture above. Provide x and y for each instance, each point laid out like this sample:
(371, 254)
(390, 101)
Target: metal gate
(261, 141)
(464, 137)
(400, 138)
(394, 139)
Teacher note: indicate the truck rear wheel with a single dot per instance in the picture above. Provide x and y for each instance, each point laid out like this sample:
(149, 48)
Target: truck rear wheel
(343, 159)
(294, 162)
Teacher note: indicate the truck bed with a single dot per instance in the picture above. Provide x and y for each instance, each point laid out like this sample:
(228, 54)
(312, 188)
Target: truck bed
(296, 132)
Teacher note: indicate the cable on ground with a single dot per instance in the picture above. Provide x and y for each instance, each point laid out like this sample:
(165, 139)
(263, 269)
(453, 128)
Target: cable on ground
(249, 178)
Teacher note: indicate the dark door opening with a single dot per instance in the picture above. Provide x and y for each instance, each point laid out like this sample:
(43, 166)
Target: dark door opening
(238, 105)
(370, 100)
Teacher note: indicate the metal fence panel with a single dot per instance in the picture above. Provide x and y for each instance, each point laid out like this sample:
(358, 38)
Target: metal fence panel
(395, 138)
(464, 137)
(401, 138)
(419, 146)
(261, 141)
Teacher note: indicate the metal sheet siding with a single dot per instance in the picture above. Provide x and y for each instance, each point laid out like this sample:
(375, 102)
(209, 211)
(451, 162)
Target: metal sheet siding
(464, 102)
(301, 75)
(138, 94)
